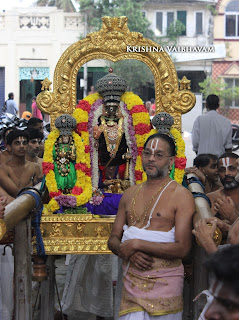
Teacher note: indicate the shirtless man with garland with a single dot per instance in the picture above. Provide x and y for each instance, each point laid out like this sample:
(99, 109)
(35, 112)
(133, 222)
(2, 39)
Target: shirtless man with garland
(152, 233)
(18, 173)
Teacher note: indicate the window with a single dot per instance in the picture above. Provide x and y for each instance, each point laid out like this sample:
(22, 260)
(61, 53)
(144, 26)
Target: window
(232, 19)
(199, 23)
(165, 21)
(182, 17)
(159, 22)
(170, 19)
(232, 101)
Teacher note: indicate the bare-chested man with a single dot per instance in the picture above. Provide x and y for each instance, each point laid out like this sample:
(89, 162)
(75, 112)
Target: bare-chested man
(152, 233)
(5, 155)
(33, 149)
(225, 202)
(18, 173)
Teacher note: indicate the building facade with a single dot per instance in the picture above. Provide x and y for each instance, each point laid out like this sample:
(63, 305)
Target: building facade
(226, 31)
(32, 40)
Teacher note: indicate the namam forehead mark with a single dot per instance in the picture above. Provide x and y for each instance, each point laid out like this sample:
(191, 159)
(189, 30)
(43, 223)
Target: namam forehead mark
(154, 145)
(21, 139)
(227, 162)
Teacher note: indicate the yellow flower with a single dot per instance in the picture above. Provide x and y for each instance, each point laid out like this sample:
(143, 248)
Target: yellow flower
(91, 98)
(85, 138)
(131, 100)
(80, 115)
(139, 140)
(141, 117)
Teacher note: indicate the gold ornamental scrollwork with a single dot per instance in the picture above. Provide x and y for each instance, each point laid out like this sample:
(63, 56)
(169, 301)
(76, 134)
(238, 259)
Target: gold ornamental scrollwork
(77, 233)
(115, 42)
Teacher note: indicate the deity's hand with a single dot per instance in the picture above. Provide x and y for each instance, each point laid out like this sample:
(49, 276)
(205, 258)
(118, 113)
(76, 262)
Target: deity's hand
(97, 130)
(127, 248)
(141, 260)
(226, 208)
(3, 202)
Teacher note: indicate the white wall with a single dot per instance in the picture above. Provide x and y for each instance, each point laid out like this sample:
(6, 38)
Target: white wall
(189, 118)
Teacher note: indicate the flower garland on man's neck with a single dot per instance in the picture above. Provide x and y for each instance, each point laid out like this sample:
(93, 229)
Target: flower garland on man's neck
(82, 191)
(180, 159)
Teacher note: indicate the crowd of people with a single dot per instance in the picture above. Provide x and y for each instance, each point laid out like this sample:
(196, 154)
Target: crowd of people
(153, 230)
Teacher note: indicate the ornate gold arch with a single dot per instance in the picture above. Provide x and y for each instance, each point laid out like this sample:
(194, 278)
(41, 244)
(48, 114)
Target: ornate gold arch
(111, 43)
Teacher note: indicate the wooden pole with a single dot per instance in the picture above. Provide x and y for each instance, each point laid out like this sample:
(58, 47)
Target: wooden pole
(23, 270)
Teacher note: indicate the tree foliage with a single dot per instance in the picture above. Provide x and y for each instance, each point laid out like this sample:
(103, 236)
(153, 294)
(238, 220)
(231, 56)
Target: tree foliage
(65, 5)
(95, 10)
(221, 89)
(136, 73)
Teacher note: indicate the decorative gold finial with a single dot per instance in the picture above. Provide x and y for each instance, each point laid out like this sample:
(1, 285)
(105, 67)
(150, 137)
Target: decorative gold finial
(3, 228)
(185, 84)
(46, 84)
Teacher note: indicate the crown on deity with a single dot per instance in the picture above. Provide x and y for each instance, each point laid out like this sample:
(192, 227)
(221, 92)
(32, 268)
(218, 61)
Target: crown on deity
(163, 121)
(111, 86)
(65, 123)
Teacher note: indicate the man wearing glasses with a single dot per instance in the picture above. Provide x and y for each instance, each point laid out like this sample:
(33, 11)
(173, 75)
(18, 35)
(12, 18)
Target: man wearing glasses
(151, 234)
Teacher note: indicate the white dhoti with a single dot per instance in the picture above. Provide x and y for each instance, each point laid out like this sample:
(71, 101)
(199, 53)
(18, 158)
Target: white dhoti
(6, 283)
(88, 286)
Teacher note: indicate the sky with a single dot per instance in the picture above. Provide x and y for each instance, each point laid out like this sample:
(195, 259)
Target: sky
(9, 4)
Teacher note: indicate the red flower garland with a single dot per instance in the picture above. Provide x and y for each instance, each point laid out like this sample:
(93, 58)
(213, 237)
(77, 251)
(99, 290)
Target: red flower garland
(84, 105)
(180, 163)
(77, 190)
(54, 194)
(81, 127)
(138, 175)
(141, 128)
(138, 108)
(87, 149)
(83, 168)
(46, 167)
(140, 149)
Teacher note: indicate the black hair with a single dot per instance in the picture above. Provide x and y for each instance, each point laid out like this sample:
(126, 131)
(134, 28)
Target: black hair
(166, 138)
(10, 95)
(152, 100)
(224, 265)
(34, 98)
(34, 134)
(212, 102)
(14, 134)
(228, 155)
(33, 122)
(202, 160)
(6, 130)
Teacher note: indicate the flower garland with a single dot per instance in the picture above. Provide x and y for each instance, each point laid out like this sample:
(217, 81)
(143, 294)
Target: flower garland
(180, 159)
(82, 191)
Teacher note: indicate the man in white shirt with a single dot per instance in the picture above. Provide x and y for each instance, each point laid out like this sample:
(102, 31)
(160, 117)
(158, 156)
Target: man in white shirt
(11, 106)
(212, 132)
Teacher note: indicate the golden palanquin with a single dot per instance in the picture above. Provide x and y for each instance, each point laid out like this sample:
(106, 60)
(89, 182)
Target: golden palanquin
(84, 233)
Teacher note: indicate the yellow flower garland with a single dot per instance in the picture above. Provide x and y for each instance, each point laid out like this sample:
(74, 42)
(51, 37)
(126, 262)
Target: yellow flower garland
(82, 180)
